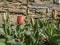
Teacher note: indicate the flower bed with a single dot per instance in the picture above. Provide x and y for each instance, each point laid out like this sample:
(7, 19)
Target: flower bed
(29, 32)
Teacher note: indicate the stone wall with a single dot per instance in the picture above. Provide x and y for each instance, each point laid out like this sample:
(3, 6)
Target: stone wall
(19, 7)
(13, 7)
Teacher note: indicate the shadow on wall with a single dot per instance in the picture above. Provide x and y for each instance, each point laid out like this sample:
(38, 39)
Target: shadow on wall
(56, 1)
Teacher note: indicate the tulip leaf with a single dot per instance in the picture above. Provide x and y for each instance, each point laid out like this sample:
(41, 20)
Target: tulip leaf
(2, 31)
(2, 42)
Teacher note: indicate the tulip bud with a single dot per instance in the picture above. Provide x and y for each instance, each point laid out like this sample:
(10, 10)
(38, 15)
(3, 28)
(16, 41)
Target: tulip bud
(32, 21)
(20, 20)
(54, 13)
(5, 17)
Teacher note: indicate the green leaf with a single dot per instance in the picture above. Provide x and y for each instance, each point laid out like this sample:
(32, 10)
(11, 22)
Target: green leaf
(2, 31)
(2, 42)
(12, 41)
(57, 36)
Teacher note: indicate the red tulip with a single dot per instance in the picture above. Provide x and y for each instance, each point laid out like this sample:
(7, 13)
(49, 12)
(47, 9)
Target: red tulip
(20, 20)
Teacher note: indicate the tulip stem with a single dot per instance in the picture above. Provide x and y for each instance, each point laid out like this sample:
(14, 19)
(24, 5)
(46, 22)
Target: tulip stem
(18, 27)
(6, 32)
(5, 28)
(20, 35)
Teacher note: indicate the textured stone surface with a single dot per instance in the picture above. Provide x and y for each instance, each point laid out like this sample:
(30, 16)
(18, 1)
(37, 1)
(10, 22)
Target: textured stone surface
(19, 7)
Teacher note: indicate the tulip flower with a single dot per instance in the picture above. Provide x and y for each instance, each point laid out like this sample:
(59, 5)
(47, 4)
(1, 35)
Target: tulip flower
(54, 13)
(20, 20)
(5, 16)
